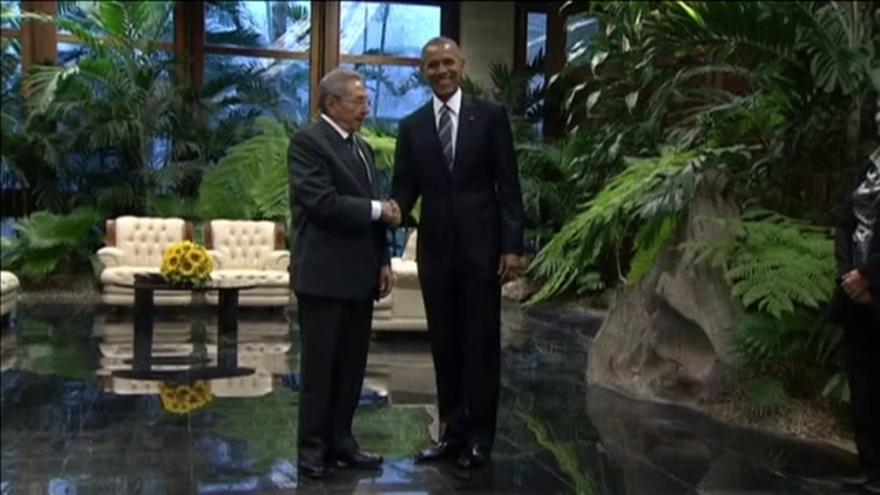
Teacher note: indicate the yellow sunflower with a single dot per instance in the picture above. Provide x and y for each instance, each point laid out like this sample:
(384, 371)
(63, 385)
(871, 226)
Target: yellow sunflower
(196, 256)
(186, 268)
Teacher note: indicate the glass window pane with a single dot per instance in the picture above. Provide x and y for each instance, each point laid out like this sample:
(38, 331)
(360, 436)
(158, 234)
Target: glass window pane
(11, 8)
(395, 91)
(536, 42)
(286, 79)
(374, 28)
(260, 24)
(578, 31)
(69, 54)
(97, 17)
(12, 102)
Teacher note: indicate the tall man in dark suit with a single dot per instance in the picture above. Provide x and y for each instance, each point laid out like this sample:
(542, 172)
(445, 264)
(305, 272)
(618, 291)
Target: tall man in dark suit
(456, 153)
(340, 266)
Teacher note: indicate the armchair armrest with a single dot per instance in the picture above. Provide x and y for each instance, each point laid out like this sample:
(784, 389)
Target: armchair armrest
(111, 256)
(217, 256)
(277, 260)
(406, 272)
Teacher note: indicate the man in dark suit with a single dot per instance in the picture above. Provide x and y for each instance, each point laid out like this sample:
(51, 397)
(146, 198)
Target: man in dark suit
(456, 153)
(341, 264)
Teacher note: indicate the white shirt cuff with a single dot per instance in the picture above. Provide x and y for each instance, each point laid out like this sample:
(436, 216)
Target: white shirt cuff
(376, 212)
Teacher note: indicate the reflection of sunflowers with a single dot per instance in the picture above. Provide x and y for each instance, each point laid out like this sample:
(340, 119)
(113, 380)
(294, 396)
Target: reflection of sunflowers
(186, 262)
(181, 399)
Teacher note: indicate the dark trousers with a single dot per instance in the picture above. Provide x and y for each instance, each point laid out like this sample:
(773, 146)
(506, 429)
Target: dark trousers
(335, 336)
(862, 340)
(463, 312)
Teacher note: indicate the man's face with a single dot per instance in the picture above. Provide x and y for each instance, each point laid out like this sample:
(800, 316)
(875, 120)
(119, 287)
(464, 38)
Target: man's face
(442, 66)
(350, 110)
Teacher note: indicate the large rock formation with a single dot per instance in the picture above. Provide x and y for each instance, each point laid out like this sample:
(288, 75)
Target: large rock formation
(668, 338)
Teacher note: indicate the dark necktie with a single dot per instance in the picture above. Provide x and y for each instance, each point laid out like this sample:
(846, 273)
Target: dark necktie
(352, 145)
(444, 130)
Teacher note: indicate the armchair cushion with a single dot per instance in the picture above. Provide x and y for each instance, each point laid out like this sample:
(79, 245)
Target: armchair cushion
(9, 291)
(136, 245)
(111, 256)
(250, 253)
(243, 244)
(143, 240)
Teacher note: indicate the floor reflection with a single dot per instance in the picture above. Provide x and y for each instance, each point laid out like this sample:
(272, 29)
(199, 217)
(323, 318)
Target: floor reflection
(71, 426)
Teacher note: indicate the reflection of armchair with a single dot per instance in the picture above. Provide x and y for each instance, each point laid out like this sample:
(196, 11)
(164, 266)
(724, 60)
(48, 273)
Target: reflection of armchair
(136, 245)
(9, 292)
(403, 309)
(251, 252)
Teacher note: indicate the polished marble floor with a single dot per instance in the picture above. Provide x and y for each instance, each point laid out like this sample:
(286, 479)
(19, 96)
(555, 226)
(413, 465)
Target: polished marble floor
(70, 427)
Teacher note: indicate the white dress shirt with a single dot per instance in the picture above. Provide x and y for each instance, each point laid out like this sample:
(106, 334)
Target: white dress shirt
(375, 206)
(454, 104)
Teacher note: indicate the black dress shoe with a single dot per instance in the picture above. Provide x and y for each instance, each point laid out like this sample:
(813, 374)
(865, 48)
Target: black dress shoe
(311, 469)
(442, 450)
(355, 460)
(872, 487)
(473, 457)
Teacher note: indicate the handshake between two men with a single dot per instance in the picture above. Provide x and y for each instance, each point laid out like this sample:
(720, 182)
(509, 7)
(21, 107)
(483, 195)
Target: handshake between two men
(509, 265)
(391, 215)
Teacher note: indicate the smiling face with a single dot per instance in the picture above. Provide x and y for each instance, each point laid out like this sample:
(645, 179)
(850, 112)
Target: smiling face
(442, 65)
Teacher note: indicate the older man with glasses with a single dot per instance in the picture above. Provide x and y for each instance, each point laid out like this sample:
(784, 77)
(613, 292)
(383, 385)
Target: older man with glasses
(341, 265)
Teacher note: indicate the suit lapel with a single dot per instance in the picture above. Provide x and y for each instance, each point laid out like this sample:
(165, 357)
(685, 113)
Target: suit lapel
(428, 127)
(464, 133)
(368, 155)
(337, 146)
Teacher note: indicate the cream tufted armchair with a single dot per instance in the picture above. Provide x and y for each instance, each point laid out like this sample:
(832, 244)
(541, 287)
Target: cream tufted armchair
(403, 309)
(136, 245)
(251, 252)
(10, 291)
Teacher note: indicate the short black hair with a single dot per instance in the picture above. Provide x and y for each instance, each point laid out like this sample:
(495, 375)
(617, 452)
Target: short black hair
(439, 41)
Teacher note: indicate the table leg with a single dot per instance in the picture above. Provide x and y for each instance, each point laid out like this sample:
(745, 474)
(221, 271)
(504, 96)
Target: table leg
(227, 329)
(143, 329)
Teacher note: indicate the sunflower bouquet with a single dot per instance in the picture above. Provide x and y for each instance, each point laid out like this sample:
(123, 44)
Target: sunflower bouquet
(182, 399)
(186, 263)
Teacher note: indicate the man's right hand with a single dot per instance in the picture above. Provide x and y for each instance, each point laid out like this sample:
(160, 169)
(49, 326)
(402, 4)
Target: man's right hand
(391, 213)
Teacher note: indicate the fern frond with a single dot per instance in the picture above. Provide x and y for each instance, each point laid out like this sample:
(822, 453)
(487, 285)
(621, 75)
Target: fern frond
(254, 173)
(775, 263)
(647, 189)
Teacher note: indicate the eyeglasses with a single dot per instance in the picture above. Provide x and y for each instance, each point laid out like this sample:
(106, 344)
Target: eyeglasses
(357, 102)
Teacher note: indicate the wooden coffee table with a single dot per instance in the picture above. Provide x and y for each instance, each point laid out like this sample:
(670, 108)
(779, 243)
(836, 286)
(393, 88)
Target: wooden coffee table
(227, 333)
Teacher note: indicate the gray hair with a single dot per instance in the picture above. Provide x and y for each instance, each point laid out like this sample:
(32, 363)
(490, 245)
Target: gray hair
(439, 41)
(335, 83)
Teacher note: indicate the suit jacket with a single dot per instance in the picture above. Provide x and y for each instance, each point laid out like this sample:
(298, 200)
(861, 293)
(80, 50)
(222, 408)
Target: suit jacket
(337, 248)
(473, 213)
(842, 309)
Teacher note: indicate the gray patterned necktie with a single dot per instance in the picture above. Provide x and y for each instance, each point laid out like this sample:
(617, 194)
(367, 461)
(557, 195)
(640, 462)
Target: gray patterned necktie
(445, 133)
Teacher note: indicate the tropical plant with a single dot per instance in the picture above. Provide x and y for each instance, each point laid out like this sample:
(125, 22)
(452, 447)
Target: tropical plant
(125, 129)
(707, 75)
(383, 144)
(255, 174)
(766, 396)
(640, 201)
(514, 89)
(773, 263)
(47, 243)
